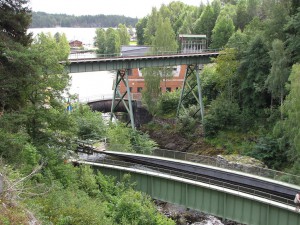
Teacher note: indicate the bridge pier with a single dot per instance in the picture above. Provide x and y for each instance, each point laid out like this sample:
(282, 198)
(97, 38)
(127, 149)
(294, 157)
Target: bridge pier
(122, 76)
(188, 88)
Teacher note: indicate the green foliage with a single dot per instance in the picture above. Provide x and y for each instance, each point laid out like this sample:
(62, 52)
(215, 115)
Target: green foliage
(222, 114)
(279, 71)
(42, 19)
(226, 68)
(71, 206)
(109, 41)
(151, 93)
(253, 72)
(124, 139)
(142, 143)
(288, 130)
(209, 80)
(222, 31)
(168, 102)
(119, 138)
(140, 29)
(137, 208)
(113, 44)
(267, 150)
(164, 40)
(292, 29)
(188, 120)
(87, 181)
(206, 23)
(100, 40)
(123, 34)
(90, 124)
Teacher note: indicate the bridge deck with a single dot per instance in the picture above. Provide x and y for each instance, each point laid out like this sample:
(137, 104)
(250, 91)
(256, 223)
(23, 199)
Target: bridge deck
(131, 62)
(208, 198)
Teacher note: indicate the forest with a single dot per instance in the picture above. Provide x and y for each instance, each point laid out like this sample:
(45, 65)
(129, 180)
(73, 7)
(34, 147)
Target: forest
(251, 94)
(42, 19)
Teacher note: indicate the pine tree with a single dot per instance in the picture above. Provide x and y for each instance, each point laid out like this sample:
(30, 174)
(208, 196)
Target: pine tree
(14, 40)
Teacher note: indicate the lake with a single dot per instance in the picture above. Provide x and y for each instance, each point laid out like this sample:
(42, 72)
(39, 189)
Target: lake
(90, 85)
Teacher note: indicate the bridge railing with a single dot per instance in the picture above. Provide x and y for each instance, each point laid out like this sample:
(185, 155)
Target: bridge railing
(85, 55)
(198, 178)
(221, 163)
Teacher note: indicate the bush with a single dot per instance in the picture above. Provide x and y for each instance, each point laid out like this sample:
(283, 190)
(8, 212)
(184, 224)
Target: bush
(267, 150)
(168, 103)
(222, 114)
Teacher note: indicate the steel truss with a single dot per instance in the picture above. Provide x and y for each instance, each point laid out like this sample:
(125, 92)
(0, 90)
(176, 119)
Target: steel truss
(188, 89)
(118, 97)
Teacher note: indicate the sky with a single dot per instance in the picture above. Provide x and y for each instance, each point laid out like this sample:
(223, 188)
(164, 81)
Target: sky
(130, 8)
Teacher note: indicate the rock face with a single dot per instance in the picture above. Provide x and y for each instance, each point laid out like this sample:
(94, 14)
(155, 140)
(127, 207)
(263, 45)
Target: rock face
(242, 163)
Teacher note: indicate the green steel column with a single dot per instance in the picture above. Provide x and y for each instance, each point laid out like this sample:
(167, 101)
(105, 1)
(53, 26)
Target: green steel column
(117, 82)
(129, 100)
(200, 93)
(120, 77)
(188, 88)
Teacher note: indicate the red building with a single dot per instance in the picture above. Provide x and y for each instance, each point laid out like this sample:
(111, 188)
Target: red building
(75, 44)
(189, 44)
(137, 84)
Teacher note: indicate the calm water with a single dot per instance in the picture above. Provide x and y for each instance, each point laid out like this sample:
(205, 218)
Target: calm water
(85, 35)
(91, 85)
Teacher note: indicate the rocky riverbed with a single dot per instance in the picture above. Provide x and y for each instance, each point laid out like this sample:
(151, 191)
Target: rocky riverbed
(184, 216)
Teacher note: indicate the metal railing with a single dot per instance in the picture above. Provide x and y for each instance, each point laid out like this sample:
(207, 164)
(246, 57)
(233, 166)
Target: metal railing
(198, 178)
(217, 162)
(120, 55)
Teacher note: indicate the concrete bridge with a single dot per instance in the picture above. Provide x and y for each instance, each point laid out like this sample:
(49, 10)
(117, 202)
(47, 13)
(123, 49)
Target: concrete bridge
(141, 115)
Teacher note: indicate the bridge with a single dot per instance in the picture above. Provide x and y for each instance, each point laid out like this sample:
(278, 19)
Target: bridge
(217, 197)
(123, 63)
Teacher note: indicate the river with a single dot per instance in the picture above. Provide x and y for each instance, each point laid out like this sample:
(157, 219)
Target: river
(89, 85)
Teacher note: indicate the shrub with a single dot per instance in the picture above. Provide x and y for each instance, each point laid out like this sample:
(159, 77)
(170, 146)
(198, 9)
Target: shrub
(222, 114)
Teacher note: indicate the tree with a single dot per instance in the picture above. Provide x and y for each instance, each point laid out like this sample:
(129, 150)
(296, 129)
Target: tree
(14, 41)
(253, 72)
(288, 130)
(239, 41)
(15, 20)
(63, 46)
(226, 67)
(100, 40)
(241, 14)
(165, 41)
(274, 24)
(149, 31)
(123, 34)
(252, 9)
(206, 23)
(292, 29)
(222, 31)
(112, 42)
(279, 71)
(47, 84)
(152, 90)
(140, 29)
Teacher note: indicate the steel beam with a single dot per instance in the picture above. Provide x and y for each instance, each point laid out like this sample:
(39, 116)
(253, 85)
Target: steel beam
(118, 97)
(188, 88)
(107, 64)
(218, 201)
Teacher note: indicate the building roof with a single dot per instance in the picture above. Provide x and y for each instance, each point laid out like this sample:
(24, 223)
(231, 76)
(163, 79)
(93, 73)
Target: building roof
(192, 36)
